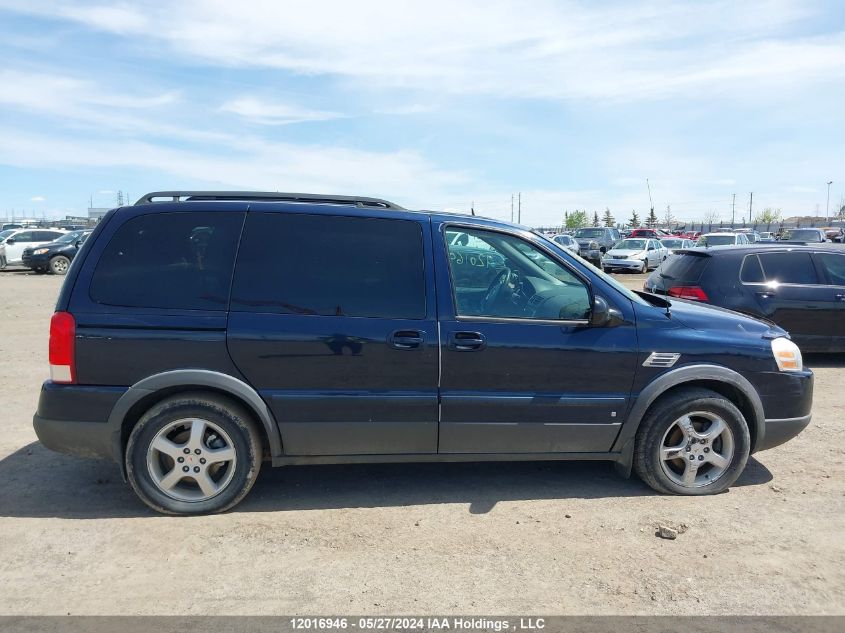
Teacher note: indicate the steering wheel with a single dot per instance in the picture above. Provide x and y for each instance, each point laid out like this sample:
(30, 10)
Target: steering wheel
(496, 288)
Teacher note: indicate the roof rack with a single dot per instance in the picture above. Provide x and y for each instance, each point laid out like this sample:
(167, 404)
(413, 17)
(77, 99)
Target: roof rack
(265, 196)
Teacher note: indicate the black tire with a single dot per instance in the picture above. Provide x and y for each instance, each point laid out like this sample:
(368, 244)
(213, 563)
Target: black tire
(663, 415)
(644, 267)
(232, 418)
(59, 265)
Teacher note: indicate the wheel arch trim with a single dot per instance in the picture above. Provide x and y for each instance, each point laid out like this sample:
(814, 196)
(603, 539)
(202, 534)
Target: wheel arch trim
(679, 376)
(192, 379)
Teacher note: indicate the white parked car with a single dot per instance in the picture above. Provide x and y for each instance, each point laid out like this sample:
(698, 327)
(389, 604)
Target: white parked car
(722, 238)
(636, 253)
(14, 243)
(566, 241)
(674, 243)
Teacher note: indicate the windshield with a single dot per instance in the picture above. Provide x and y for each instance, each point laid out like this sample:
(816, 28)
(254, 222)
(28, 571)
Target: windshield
(630, 245)
(802, 235)
(629, 294)
(716, 240)
(589, 233)
(672, 243)
(69, 237)
(6, 233)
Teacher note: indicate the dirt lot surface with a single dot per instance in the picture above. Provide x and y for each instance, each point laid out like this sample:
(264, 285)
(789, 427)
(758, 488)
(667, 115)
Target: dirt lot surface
(550, 538)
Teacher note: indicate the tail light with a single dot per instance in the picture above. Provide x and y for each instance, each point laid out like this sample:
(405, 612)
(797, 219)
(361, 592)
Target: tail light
(62, 335)
(693, 293)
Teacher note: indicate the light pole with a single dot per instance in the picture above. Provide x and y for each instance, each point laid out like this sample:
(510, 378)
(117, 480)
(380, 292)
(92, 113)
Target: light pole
(827, 206)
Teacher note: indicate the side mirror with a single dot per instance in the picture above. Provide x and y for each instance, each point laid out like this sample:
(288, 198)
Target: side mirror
(10, 240)
(651, 248)
(600, 314)
(78, 243)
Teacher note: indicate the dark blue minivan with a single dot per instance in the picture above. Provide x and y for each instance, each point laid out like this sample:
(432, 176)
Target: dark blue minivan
(199, 334)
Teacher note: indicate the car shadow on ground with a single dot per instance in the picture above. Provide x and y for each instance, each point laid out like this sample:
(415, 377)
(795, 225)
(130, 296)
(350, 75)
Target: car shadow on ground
(816, 360)
(39, 483)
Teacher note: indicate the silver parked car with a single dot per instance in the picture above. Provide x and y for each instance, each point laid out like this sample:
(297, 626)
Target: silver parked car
(566, 241)
(674, 243)
(636, 254)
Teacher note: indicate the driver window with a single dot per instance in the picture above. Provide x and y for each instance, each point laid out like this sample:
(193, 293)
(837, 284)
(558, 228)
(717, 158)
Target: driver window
(499, 275)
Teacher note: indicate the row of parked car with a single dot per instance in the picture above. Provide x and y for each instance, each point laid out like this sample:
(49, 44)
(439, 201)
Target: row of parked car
(42, 250)
(644, 249)
(796, 282)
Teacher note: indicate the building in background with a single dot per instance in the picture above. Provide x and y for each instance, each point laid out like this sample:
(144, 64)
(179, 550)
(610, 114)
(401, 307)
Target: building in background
(96, 213)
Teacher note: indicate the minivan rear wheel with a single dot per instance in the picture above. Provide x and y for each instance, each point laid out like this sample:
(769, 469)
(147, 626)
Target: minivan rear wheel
(193, 454)
(693, 442)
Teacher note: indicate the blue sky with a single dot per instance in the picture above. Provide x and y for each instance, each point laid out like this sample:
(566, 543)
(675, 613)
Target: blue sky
(431, 104)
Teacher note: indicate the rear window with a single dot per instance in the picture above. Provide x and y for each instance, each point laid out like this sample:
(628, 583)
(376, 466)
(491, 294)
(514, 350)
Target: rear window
(331, 266)
(684, 267)
(169, 260)
(789, 268)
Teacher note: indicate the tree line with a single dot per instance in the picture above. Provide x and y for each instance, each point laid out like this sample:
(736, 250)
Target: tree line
(579, 218)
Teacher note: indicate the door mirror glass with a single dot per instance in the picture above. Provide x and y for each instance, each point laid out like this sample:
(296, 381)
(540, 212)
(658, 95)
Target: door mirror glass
(601, 312)
(11, 240)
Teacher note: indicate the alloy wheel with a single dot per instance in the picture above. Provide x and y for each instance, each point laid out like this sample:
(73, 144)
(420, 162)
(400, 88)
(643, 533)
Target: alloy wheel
(191, 460)
(696, 449)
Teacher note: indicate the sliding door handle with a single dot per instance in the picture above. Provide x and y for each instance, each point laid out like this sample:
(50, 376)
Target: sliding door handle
(406, 339)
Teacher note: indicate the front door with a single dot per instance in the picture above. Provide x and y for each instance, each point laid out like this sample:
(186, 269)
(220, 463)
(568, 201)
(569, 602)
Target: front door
(332, 321)
(833, 268)
(794, 298)
(522, 369)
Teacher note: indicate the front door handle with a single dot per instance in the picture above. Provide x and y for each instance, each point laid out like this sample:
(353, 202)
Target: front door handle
(840, 297)
(406, 339)
(467, 341)
(766, 294)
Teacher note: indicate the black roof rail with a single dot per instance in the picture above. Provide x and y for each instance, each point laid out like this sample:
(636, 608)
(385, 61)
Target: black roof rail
(265, 196)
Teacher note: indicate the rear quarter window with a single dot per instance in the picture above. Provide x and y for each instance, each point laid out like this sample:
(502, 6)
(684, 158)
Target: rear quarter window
(684, 267)
(169, 260)
(751, 271)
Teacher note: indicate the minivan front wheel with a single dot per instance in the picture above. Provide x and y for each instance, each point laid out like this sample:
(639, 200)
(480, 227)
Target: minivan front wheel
(693, 442)
(193, 454)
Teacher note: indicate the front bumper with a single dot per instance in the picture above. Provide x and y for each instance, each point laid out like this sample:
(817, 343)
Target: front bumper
(622, 264)
(782, 430)
(787, 399)
(592, 254)
(35, 261)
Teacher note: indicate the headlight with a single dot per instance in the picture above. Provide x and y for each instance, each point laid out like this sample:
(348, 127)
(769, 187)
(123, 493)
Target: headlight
(40, 251)
(787, 355)
(594, 245)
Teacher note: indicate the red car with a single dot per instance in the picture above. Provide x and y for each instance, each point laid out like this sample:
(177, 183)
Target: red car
(652, 233)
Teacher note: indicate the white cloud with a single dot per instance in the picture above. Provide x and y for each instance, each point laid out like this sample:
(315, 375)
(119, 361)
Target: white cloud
(73, 98)
(275, 112)
(555, 50)
(37, 199)
(249, 163)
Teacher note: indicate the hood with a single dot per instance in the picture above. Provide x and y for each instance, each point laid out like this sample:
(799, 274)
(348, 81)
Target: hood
(702, 316)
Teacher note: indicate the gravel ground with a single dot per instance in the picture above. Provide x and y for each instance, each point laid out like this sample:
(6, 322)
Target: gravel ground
(527, 538)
